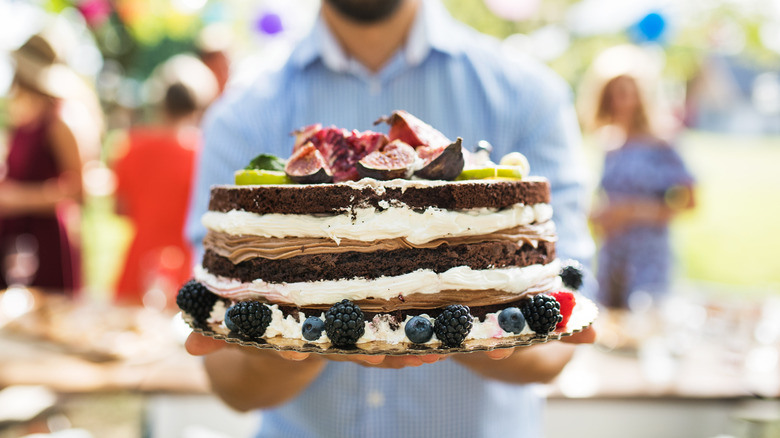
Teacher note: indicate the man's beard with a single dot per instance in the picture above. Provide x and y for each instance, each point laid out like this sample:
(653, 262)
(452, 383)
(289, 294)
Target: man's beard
(365, 11)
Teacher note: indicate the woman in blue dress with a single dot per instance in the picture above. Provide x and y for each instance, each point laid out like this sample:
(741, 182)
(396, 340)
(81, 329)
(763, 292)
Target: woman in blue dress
(645, 183)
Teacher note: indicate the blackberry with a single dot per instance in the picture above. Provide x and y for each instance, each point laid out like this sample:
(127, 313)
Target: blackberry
(453, 324)
(312, 328)
(572, 274)
(511, 320)
(419, 330)
(251, 318)
(542, 313)
(344, 323)
(195, 300)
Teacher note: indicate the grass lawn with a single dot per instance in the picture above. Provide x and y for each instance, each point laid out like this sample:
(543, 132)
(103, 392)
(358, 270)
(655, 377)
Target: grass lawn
(733, 236)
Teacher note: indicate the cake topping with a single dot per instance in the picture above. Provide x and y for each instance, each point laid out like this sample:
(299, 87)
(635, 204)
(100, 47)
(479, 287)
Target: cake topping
(453, 325)
(517, 160)
(571, 274)
(445, 164)
(266, 162)
(251, 318)
(511, 320)
(312, 328)
(419, 330)
(258, 176)
(394, 160)
(413, 131)
(196, 300)
(566, 300)
(344, 323)
(308, 166)
(542, 312)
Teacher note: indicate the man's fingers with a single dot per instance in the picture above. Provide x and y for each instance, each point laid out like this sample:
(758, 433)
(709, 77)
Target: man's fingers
(587, 336)
(499, 353)
(200, 345)
(293, 355)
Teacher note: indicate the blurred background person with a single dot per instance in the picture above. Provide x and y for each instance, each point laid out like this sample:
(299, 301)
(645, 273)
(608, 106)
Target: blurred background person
(644, 184)
(153, 170)
(55, 125)
(212, 45)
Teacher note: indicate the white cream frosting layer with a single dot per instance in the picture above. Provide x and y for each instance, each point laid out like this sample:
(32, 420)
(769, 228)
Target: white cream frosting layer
(423, 281)
(380, 328)
(369, 224)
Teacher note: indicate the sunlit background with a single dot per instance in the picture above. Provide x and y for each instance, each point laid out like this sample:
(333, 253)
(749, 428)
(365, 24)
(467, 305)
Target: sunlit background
(716, 69)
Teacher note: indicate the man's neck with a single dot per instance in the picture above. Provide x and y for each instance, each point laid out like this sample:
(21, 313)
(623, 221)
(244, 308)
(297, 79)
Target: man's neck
(372, 44)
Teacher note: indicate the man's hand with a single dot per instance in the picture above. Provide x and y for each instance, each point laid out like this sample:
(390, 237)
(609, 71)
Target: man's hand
(536, 363)
(586, 336)
(200, 345)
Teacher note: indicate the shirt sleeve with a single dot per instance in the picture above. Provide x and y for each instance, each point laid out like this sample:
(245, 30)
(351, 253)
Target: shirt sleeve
(675, 172)
(225, 147)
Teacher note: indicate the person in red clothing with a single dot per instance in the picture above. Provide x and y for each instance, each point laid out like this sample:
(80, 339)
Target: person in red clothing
(153, 184)
(55, 125)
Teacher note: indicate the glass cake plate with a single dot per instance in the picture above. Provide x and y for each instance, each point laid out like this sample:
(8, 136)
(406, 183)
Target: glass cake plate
(583, 315)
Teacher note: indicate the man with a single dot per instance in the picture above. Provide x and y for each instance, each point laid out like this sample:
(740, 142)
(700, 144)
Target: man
(364, 59)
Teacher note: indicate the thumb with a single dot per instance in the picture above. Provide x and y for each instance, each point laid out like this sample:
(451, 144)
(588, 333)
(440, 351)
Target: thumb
(200, 345)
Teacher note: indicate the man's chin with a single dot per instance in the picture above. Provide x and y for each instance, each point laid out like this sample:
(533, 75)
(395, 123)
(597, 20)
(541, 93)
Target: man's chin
(365, 11)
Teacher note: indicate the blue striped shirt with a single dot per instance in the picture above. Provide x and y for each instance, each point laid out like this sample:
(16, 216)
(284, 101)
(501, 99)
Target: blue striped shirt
(460, 82)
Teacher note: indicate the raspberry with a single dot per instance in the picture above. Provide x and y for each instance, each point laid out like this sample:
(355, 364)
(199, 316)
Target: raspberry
(312, 328)
(195, 300)
(344, 323)
(453, 324)
(511, 320)
(419, 330)
(567, 301)
(572, 274)
(542, 313)
(251, 318)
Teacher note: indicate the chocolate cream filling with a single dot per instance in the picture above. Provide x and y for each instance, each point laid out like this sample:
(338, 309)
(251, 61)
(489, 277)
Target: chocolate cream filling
(240, 249)
(371, 265)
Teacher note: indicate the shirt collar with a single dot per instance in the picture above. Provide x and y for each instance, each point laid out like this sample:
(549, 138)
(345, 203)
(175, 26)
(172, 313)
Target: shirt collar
(430, 31)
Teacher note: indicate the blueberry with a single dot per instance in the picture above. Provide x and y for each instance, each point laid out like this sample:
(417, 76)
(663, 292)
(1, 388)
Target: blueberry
(512, 320)
(419, 330)
(229, 322)
(312, 328)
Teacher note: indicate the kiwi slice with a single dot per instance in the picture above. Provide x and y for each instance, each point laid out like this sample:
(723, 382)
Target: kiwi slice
(492, 172)
(258, 176)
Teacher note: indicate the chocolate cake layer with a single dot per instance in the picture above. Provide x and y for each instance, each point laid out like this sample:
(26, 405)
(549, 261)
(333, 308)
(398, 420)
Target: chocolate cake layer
(335, 198)
(486, 255)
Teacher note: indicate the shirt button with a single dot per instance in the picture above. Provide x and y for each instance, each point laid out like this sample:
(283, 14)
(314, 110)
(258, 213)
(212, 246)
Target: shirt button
(375, 399)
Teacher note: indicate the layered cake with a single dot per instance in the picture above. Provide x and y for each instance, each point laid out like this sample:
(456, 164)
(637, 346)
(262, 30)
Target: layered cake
(396, 250)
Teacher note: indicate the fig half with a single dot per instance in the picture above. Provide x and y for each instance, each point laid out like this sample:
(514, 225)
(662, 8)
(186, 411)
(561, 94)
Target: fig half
(395, 160)
(444, 164)
(308, 166)
(413, 131)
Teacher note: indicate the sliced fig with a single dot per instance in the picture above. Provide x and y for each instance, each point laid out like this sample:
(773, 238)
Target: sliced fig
(395, 160)
(360, 144)
(413, 131)
(302, 135)
(445, 164)
(308, 166)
